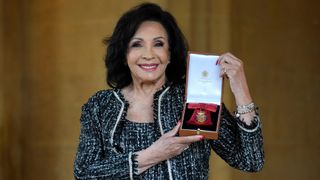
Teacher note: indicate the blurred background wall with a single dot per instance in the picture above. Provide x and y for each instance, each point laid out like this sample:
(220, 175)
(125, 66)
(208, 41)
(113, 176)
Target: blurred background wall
(51, 61)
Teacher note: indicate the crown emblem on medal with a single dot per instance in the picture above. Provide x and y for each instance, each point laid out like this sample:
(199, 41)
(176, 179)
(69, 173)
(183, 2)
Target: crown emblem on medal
(201, 117)
(204, 73)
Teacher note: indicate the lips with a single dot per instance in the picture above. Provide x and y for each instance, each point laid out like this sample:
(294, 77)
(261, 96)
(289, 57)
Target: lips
(148, 67)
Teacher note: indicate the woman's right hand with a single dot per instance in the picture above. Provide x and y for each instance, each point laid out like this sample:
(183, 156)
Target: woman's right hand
(167, 146)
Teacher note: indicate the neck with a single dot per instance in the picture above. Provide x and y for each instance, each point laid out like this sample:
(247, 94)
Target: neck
(146, 89)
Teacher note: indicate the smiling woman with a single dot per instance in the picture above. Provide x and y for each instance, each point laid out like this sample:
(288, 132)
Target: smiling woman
(147, 58)
(122, 39)
(130, 131)
(148, 54)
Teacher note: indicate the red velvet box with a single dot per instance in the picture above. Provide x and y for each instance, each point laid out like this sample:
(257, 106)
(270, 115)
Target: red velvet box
(203, 96)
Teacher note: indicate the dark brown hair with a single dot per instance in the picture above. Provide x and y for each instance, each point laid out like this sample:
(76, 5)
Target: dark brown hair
(118, 74)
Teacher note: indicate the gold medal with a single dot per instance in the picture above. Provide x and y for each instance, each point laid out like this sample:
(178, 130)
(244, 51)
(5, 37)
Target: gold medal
(201, 117)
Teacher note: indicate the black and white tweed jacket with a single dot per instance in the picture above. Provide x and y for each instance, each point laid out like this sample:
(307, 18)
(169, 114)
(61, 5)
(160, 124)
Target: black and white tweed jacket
(101, 155)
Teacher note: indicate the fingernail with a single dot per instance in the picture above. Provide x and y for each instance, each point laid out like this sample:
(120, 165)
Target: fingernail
(201, 137)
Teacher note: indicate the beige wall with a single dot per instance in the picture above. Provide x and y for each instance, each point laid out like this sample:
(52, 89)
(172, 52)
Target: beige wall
(280, 42)
(11, 89)
(2, 122)
(52, 61)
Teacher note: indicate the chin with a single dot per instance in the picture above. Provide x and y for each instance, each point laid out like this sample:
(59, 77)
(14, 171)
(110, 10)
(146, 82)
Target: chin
(153, 79)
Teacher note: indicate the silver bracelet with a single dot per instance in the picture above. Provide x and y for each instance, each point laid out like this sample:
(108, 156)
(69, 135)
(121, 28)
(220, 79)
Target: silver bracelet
(254, 129)
(244, 109)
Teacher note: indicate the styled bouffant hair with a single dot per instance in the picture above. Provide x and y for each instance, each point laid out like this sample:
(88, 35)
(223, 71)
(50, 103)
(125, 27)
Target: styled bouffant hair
(118, 75)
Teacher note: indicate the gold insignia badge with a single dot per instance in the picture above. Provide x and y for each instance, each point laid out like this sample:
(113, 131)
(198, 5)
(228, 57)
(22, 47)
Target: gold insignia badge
(201, 117)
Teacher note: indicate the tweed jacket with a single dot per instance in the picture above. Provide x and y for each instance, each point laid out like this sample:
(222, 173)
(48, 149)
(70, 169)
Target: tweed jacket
(101, 155)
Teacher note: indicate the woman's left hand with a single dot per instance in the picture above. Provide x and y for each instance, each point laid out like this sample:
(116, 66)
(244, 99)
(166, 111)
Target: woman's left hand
(232, 68)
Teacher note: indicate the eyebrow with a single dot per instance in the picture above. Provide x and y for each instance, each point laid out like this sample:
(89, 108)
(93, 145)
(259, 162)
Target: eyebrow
(160, 37)
(156, 38)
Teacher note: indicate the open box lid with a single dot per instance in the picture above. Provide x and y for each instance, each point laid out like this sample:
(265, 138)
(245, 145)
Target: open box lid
(203, 79)
(204, 87)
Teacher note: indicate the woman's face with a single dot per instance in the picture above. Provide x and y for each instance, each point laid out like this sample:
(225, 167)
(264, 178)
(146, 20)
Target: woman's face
(148, 53)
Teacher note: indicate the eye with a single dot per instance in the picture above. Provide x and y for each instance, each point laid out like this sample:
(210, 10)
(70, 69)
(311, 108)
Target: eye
(135, 44)
(159, 44)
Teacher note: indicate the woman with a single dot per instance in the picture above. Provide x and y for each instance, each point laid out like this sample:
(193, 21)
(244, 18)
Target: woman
(130, 131)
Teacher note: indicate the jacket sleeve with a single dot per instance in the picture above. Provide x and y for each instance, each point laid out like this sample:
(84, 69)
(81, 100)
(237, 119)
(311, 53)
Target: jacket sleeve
(93, 161)
(239, 145)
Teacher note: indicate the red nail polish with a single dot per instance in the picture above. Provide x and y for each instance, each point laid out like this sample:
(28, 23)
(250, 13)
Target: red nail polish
(202, 137)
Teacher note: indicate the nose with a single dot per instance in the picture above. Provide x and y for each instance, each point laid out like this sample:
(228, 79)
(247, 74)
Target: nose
(148, 54)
